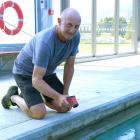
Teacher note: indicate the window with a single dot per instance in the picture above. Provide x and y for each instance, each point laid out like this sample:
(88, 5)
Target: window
(22, 14)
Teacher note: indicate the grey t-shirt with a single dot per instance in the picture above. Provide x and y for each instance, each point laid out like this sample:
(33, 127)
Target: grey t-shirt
(45, 50)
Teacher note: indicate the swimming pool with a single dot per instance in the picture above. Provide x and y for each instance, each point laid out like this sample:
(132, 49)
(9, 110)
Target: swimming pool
(128, 130)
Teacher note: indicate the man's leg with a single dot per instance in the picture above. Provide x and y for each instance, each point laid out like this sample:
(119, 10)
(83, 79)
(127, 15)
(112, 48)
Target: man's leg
(12, 98)
(32, 103)
(57, 85)
(37, 111)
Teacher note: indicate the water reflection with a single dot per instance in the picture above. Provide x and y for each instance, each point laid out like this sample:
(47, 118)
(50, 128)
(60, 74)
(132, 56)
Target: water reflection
(128, 135)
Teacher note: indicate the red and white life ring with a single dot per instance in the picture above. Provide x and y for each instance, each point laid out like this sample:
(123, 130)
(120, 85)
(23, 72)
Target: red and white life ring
(19, 14)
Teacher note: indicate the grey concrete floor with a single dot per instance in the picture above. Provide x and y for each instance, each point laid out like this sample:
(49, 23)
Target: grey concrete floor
(94, 83)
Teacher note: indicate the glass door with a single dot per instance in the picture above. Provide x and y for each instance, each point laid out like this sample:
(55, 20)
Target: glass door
(105, 27)
(126, 26)
(84, 8)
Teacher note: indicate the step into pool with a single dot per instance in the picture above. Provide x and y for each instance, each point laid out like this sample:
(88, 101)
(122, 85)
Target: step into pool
(128, 130)
(124, 125)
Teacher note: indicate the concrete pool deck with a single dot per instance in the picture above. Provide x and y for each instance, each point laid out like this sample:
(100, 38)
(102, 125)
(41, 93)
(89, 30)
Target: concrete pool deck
(102, 88)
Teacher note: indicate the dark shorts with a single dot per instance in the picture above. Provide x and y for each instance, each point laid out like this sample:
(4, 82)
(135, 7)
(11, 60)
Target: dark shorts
(30, 94)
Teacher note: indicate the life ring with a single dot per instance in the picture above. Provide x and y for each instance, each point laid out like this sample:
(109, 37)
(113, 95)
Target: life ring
(19, 14)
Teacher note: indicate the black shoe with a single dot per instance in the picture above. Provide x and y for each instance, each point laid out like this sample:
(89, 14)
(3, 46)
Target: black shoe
(6, 100)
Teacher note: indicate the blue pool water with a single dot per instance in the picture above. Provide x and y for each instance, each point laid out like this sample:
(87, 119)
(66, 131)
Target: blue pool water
(129, 130)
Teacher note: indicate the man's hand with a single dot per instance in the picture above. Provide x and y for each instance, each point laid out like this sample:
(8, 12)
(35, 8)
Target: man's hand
(63, 103)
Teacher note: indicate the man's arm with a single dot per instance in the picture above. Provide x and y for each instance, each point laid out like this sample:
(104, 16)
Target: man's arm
(68, 74)
(43, 87)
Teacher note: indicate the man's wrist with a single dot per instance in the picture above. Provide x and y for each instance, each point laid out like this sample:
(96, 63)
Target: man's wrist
(57, 96)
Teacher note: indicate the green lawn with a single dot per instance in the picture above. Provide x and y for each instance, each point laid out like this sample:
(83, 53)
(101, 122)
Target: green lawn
(87, 47)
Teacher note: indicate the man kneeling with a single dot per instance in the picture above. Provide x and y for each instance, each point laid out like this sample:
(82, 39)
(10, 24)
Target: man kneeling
(35, 65)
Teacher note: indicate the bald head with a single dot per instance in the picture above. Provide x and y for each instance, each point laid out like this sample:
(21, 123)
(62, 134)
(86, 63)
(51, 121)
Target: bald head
(70, 13)
(68, 24)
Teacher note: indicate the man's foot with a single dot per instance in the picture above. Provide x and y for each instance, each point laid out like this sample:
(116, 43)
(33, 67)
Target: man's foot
(6, 100)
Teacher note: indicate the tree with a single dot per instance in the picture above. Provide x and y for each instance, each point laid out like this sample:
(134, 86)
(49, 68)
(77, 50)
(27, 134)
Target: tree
(128, 34)
(106, 25)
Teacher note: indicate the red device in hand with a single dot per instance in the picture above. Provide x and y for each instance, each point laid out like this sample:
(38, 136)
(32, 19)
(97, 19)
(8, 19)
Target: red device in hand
(72, 101)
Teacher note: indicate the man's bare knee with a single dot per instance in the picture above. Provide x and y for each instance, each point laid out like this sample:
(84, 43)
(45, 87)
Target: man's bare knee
(38, 115)
(38, 111)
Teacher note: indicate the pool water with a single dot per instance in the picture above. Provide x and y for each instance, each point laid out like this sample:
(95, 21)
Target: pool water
(128, 130)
